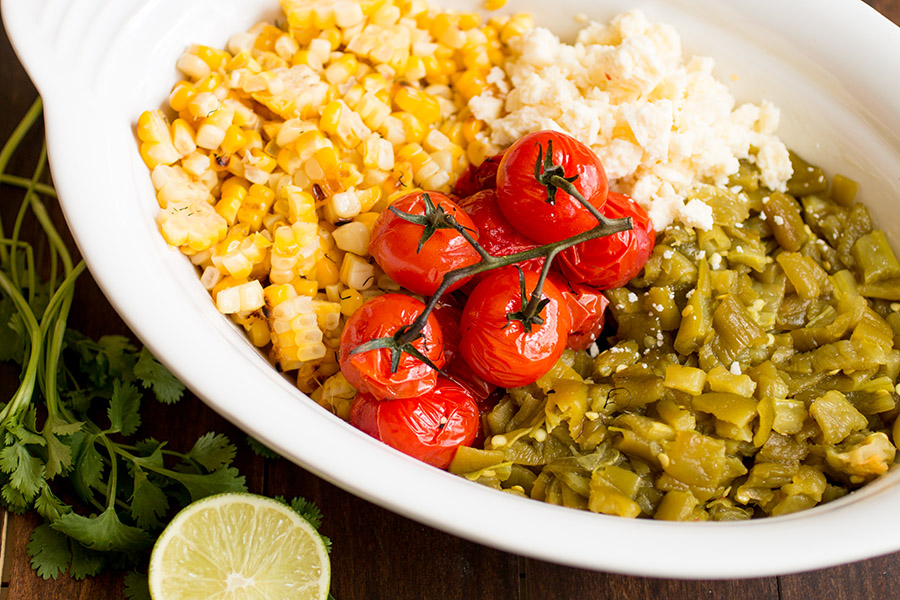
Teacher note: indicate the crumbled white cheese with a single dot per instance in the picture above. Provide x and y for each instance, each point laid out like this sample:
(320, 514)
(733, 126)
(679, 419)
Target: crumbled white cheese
(661, 124)
(735, 368)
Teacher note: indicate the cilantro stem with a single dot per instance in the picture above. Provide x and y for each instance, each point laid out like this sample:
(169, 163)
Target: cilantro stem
(113, 473)
(22, 182)
(12, 143)
(56, 327)
(12, 411)
(55, 240)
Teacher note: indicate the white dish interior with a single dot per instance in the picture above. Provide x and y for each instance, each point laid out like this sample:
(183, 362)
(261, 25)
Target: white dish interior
(833, 69)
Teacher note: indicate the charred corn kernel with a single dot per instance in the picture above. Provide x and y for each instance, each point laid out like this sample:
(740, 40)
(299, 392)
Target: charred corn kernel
(258, 332)
(351, 300)
(352, 237)
(356, 273)
(327, 272)
(418, 103)
(240, 298)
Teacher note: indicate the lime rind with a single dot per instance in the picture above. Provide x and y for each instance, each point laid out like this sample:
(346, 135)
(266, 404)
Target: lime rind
(236, 546)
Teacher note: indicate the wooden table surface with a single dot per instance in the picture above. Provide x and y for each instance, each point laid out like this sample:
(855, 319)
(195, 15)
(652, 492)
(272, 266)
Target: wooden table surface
(378, 554)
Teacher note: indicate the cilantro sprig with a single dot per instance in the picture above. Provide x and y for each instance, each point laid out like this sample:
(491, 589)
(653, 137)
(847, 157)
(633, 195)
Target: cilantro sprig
(70, 447)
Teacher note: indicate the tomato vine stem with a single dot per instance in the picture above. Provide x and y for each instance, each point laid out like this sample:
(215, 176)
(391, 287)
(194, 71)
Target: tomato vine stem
(548, 174)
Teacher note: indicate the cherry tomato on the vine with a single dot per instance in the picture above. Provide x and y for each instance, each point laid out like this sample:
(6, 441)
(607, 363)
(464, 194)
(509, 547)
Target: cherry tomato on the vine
(496, 235)
(614, 260)
(587, 310)
(395, 244)
(370, 371)
(474, 179)
(496, 345)
(523, 198)
(429, 427)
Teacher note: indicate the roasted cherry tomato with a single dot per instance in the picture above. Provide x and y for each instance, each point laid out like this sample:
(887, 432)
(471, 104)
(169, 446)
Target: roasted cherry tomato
(370, 371)
(496, 345)
(395, 244)
(448, 316)
(474, 179)
(496, 235)
(429, 427)
(587, 311)
(612, 261)
(523, 196)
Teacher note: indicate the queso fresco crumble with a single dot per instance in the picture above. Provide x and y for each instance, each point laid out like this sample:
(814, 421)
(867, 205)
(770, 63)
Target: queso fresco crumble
(659, 124)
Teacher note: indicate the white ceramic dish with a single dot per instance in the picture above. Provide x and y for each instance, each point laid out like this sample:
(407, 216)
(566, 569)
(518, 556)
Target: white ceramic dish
(833, 67)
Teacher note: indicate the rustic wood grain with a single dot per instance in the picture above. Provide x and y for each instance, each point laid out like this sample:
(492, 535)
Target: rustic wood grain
(378, 554)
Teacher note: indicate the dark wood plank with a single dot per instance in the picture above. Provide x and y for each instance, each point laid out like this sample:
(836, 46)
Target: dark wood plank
(545, 580)
(378, 554)
(875, 578)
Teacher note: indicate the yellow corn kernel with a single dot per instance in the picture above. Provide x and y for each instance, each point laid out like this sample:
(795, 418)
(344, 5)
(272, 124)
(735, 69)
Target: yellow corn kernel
(342, 206)
(341, 70)
(471, 127)
(328, 314)
(476, 152)
(265, 41)
(181, 95)
(227, 208)
(517, 25)
(213, 57)
(369, 197)
(331, 116)
(372, 110)
(301, 205)
(368, 219)
(153, 127)
(469, 21)
(235, 139)
(240, 298)
(413, 128)
(327, 272)
(275, 294)
(324, 162)
(261, 160)
(418, 103)
(351, 300)
(211, 83)
(356, 272)
(258, 332)
(305, 287)
(415, 68)
(183, 137)
(352, 237)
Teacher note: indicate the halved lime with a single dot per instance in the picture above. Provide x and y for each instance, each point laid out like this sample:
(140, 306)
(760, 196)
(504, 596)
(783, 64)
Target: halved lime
(237, 546)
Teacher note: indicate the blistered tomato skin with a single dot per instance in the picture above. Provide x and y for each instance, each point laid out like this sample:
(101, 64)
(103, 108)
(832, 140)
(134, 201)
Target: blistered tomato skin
(370, 371)
(499, 349)
(523, 200)
(496, 234)
(430, 427)
(587, 311)
(474, 179)
(612, 261)
(395, 245)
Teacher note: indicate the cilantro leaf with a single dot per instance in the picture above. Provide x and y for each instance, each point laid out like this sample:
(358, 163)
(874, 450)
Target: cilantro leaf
(123, 408)
(85, 563)
(48, 505)
(117, 353)
(148, 501)
(213, 451)
(25, 471)
(308, 510)
(13, 499)
(260, 449)
(136, 586)
(88, 464)
(217, 482)
(155, 375)
(49, 551)
(12, 341)
(103, 532)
